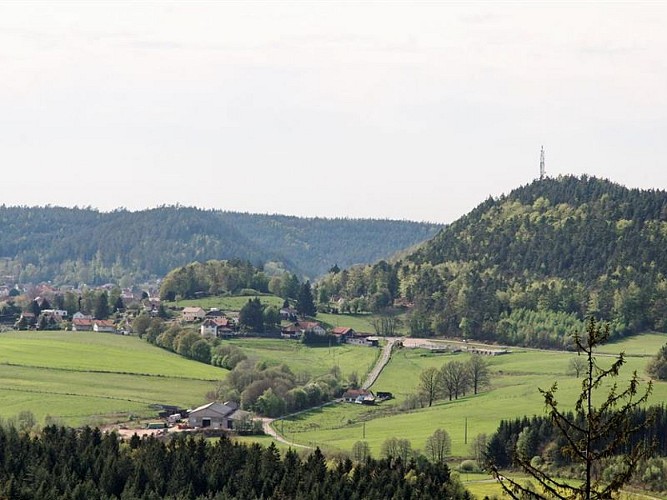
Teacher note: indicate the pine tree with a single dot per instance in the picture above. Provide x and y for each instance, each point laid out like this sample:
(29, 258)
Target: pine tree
(305, 304)
(593, 434)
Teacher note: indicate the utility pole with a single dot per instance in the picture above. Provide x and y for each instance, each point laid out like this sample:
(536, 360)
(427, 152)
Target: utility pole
(465, 431)
(542, 168)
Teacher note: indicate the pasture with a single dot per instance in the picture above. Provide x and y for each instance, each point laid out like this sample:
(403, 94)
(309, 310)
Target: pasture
(315, 361)
(515, 379)
(85, 377)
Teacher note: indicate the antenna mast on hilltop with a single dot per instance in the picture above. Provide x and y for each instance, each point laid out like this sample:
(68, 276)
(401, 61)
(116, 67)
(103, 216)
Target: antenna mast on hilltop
(542, 169)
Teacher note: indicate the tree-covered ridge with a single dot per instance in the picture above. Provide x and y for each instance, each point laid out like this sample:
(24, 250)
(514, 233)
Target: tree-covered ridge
(568, 227)
(530, 266)
(85, 464)
(74, 245)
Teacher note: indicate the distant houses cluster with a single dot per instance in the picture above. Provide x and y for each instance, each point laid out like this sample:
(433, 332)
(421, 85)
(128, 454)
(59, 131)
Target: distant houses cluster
(215, 323)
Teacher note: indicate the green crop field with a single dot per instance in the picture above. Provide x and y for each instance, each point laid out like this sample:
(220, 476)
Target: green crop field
(313, 360)
(85, 377)
(515, 379)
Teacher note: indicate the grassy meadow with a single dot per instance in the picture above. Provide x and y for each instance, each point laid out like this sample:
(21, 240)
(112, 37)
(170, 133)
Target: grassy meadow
(85, 377)
(515, 379)
(315, 361)
(89, 378)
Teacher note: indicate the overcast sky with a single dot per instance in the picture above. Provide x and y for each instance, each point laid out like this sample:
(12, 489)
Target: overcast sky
(414, 111)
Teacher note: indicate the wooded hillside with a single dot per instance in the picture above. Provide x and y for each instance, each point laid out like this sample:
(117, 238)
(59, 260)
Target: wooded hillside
(528, 267)
(75, 245)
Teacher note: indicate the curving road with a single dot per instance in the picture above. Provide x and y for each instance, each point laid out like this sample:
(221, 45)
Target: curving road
(370, 380)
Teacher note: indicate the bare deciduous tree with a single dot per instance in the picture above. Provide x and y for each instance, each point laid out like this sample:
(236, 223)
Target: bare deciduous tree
(429, 384)
(438, 446)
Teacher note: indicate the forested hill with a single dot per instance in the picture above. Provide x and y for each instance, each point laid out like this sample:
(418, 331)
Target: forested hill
(530, 266)
(569, 227)
(75, 245)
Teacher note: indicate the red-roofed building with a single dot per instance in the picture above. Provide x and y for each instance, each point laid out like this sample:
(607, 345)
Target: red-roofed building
(82, 325)
(295, 330)
(360, 396)
(104, 325)
(342, 333)
(217, 327)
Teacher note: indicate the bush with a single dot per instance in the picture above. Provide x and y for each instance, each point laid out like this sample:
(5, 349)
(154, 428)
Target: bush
(468, 466)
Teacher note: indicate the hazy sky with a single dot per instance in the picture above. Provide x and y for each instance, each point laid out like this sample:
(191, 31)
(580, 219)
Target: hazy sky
(381, 109)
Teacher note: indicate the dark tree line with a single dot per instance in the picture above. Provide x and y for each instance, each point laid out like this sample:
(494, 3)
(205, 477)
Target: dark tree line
(64, 463)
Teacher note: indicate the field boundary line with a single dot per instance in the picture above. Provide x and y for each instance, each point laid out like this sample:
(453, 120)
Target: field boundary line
(111, 372)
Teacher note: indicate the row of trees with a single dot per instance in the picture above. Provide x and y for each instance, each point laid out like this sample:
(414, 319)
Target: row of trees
(453, 379)
(437, 448)
(64, 463)
(214, 277)
(273, 390)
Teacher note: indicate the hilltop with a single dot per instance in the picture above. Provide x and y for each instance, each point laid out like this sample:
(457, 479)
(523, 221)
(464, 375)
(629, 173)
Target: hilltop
(82, 245)
(529, 266)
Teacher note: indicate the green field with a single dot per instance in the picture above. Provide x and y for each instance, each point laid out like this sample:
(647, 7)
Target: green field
(361, 323)
(85, 377)
(226, 303)
(515, 379)
(313, 360)
(647, 344)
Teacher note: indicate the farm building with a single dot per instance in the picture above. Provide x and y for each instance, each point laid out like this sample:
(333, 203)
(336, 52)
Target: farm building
(360, 396)
(364, 340)
(342, 333)
(216, 416)
(104, 325)
(82, 325)
(191, 314)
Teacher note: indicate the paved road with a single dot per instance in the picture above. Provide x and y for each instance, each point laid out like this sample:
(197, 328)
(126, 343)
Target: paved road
(381, 363)
(370, 380)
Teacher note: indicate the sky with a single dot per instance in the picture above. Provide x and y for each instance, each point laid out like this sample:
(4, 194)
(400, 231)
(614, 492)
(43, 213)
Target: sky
(415, 111)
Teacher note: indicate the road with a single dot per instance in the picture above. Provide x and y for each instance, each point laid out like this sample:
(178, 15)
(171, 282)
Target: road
(370, 380)
(381, 363)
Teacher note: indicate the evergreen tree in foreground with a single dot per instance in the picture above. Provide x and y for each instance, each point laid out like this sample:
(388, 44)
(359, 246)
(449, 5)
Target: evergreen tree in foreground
(594, 435)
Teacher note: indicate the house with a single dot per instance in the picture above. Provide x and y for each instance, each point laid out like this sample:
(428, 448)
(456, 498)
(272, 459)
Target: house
(214, 313)
(359, 396)
(217, 327)
(82, 325)
(80, 315)
(216, 416)
(342, 333)
(191, 314)
(298, 328)
(59, 313)
(103, 325)
(288, 314)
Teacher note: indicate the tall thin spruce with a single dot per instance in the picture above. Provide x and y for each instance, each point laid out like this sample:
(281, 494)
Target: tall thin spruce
(594, 435)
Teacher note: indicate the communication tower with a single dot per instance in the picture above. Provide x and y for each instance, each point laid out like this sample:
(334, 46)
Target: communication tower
(542, 169)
